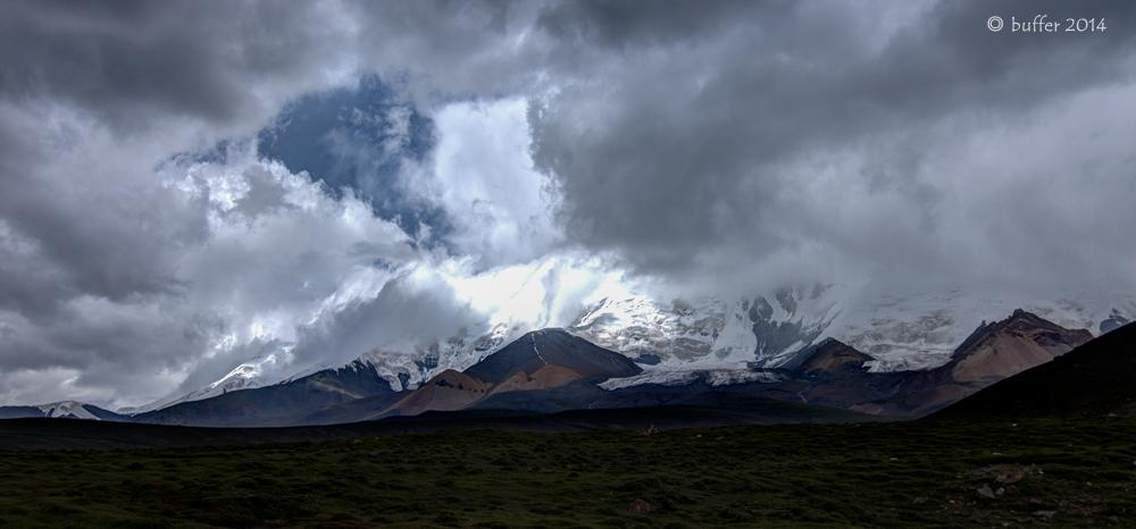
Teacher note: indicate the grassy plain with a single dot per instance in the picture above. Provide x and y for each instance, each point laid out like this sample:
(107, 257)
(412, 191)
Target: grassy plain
(1031, 473)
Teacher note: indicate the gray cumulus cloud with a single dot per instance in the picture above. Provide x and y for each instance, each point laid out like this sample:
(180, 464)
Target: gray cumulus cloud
(695, 139)
(147, 247)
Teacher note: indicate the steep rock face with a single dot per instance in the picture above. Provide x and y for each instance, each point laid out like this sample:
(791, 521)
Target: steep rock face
(827, 357)
(553, 347)
(1005, 348)
(993, 352)
(1096, 378)
(538, 361)
(792, 320)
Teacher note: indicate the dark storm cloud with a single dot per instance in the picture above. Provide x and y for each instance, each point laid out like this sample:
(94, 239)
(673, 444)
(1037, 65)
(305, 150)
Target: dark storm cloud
(115, 272)
(108, 267)
(128, 60)
(679, 147)
(231, 64)
(701, 142)
(75, 233)
(629, 23)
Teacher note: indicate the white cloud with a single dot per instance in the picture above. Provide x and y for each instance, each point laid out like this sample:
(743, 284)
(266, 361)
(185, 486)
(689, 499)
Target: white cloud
(715, 146)
(482, 175)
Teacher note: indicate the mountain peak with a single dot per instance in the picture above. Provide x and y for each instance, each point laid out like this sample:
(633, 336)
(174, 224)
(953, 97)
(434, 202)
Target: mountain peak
(548, 332)
(67, 408)
(538, 360)
(828, 356)
(544, 347)
(1003, 348)
(1096, 378)
(1019, 318)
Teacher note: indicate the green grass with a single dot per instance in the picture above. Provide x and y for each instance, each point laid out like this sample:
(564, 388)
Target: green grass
(1077, 473)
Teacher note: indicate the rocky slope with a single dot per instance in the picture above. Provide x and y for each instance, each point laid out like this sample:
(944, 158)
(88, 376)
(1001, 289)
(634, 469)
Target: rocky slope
(1097, 378)
(448, 391)
(826, 358)
(991, 353)
(540, 360)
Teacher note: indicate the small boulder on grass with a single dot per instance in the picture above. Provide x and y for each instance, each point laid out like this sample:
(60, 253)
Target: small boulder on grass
(1009, 474)
(640, 506)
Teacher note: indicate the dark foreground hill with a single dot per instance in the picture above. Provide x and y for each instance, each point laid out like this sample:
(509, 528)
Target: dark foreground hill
(1097, 378)
(1075, 472)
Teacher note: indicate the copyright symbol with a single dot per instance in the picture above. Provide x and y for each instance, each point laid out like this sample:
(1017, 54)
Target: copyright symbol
(995, 23)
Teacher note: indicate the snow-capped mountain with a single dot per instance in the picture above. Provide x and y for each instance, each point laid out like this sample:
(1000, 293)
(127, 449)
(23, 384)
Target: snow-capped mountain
(245, 376)
(718, 341)
(68, 409)
(920, 330)
(512, 301)
(901, 331)
(710, 333)
(708, 337)
(401, 369)
(827, 371)
(409, 369)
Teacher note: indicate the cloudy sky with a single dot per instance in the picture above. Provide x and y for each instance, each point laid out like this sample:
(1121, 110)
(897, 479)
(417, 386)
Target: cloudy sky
(188, 185)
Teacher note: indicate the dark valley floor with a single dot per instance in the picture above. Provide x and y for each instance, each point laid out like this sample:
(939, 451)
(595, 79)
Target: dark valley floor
(1041, 472)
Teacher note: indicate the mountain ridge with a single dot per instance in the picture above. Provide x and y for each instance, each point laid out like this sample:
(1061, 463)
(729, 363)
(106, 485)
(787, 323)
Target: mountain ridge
(901, 331)
(552, 370)
(1097, 378)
